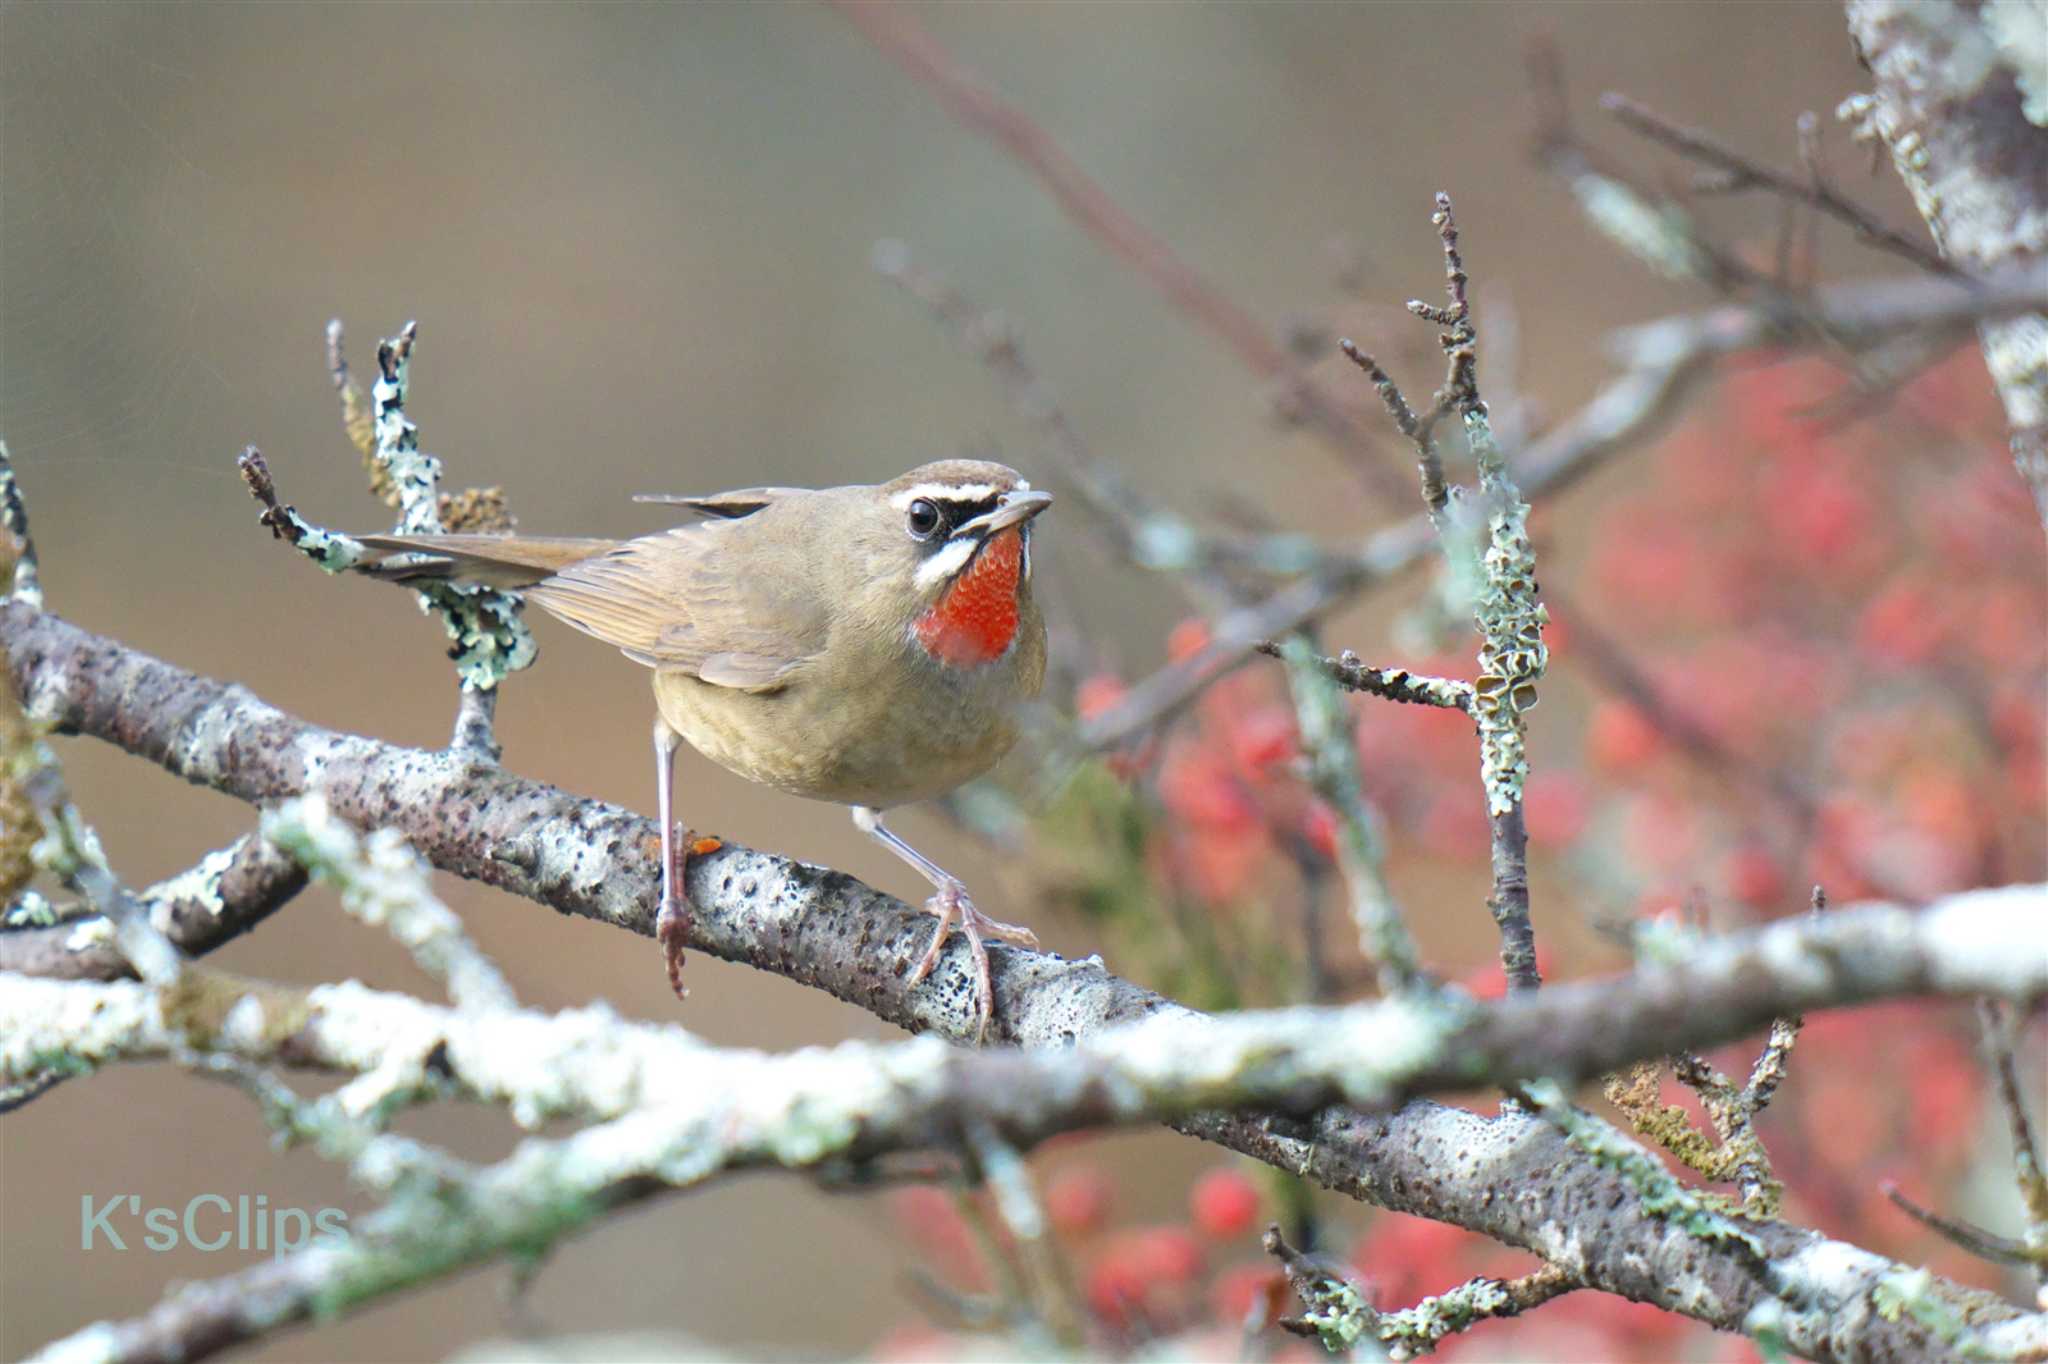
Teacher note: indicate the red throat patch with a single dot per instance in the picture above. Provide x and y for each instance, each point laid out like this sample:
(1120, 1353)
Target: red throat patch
(976, 617)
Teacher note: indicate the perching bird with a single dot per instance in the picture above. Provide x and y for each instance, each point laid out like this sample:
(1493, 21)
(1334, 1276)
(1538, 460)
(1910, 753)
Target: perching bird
(867, 645)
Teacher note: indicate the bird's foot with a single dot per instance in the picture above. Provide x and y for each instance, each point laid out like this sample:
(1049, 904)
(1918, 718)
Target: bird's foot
(949, 903)
(672, 923)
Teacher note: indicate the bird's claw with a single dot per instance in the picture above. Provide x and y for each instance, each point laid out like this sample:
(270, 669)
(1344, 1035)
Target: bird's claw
(951, 902)
(672, 923)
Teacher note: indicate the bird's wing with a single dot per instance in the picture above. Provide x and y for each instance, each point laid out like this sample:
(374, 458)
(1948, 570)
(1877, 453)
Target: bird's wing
(737, 503)
(679, 600)
(498, 560)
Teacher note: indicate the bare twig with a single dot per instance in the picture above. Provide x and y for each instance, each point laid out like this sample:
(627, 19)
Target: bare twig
(1745, 172)
(1663, 362)
(1985, 1245)
(896, 32)
(1338, 1314)
(2028, 1173)
(1139, 530)
(1502, 581)
(1394, 684)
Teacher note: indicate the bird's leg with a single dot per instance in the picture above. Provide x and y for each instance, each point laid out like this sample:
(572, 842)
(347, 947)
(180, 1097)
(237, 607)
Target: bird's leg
(949, 902)
(672, 923)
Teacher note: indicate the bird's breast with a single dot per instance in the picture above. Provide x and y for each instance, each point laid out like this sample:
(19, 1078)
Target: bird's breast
(975, 619)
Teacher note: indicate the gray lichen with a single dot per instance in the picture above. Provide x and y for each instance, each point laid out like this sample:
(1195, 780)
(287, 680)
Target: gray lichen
(1658, 1191)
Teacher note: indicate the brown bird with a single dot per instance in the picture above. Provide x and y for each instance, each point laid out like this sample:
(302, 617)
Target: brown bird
(865, 645)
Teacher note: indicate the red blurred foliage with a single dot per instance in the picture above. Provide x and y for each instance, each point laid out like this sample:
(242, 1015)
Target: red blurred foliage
(1844, 631)
(1556, 805)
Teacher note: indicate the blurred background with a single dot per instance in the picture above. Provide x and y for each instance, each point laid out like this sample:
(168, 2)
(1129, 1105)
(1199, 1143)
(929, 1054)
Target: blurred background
(638, 240)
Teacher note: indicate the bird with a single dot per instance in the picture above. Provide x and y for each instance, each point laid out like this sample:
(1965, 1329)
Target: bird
(868, 645)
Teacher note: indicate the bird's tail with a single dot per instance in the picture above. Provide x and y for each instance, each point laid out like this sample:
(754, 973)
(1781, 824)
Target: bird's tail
(509, 561)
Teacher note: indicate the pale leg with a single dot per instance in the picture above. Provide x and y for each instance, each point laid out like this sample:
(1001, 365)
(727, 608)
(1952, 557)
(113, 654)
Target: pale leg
(950, 902)
(672, 923)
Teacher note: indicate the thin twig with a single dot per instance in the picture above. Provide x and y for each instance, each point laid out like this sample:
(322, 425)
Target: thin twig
(1395, 684)
(1986, 1245)
(1748, 172)
(897, 33)
(1338, 1313)
(2028, 1172)
(1663, 362)
(1332, 753)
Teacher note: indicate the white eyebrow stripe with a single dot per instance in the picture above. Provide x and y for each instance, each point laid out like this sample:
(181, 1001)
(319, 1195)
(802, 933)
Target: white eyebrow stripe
(944, 492)
(950, 559)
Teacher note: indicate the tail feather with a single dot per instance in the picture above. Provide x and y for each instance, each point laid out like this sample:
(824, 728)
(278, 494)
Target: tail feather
(508, 561)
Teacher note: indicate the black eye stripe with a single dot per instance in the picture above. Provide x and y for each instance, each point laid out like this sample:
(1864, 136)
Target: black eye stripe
(958, 511)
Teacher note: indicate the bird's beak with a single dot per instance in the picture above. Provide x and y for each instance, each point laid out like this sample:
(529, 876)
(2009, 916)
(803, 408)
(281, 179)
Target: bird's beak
(1013, 509)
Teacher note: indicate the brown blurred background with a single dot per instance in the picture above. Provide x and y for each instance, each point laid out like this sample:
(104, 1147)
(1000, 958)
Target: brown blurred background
(637, 242)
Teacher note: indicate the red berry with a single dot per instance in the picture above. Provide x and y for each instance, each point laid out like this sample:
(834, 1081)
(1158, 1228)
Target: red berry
(1199, 788)
(1077, 1199)
(1224, 1204)
(1262, 737)
(1115, 1286)
(1621, 738)
(1139, 1265)
(1319, 827)
(1168, 1255)
(1753, 876)
(1240, 1289)
(1097, 694)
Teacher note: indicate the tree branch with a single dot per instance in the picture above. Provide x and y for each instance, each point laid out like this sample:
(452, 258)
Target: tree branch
(1967, 138)
(223, 895)
(1511, 1177)
(1663, 362)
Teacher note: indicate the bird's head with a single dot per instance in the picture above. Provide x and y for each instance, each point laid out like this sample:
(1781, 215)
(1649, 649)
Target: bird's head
(957, 533)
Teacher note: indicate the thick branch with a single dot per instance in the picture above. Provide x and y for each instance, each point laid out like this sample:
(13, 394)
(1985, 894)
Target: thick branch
(1966, 137)
(223, 895)
(1512, 1178)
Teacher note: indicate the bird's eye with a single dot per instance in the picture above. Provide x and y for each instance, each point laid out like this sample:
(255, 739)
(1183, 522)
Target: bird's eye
(924, 519)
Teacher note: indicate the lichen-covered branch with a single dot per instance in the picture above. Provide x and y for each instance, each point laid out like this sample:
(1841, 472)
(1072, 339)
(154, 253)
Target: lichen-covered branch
(490, 640)
(1500, 578)
(674, 1112)
(1503, 1177)
(1326, 739)
(822, 928)
(1958, 101)
(1394, 684)
(1338, 1314)
(224, 894)
(384, 883)
(22, 580)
